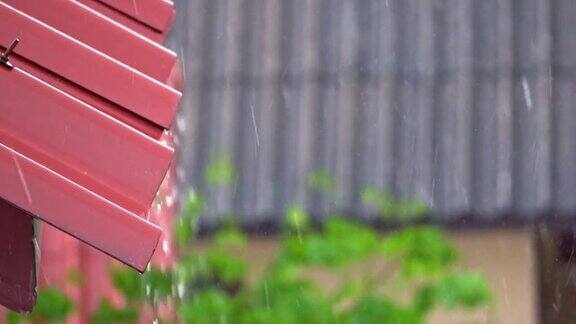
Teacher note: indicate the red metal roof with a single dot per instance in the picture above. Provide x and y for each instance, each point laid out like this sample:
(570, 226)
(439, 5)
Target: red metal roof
(76, 210)
(47, 48)
(136, 25)
(157, 14)
(81, 116)
(102, 34)
(80, 142)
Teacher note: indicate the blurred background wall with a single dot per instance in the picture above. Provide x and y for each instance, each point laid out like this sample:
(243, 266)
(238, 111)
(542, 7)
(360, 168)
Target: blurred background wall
(465, 104)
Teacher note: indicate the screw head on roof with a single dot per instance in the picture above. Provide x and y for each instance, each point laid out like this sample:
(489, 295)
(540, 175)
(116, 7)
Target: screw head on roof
(5, 57)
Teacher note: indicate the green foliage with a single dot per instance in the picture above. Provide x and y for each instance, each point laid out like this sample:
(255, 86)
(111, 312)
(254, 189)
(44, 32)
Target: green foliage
(185, 227)
(322, 180)
(297, 218)
(399, 277)
(135, 287)
(340, 243)
(467, 290)
(129, 283)
(208, 306)
(157, 284)
(382, 310)
(463, 289)
(106, 313)
(420, 251)
(420, 260)
(14, 318)
(218, 266)
(284, 299)
(230, 237)
(392, 208)
(52, 306)
(220, 171)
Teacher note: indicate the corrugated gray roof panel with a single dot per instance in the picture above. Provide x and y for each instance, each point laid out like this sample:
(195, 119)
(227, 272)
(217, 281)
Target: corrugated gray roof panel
(469, 105)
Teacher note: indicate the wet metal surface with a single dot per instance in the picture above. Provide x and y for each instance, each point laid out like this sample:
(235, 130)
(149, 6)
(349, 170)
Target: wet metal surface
(80, 132)
(65, 57)
(76, 210)
(102, 34)
(80, 142)
(157, 14)
(137, 26)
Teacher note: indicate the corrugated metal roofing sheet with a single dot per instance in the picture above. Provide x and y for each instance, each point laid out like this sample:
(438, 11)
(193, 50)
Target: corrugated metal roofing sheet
(103, 34)
(466, 104)
(63, 161)
(136, 15)
(68, 163)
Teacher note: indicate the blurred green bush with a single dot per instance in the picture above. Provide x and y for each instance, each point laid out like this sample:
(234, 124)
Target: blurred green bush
(398, 277)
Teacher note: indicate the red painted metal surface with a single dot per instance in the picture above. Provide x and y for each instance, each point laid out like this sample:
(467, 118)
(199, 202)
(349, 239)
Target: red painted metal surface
(80, 142)
(157, 14)
(17, 259)
(146, 127)
(129, 22)
(102, 34)
(68, 58)
(76, 210)
(88, 147)
(88, 56)
(62, 255)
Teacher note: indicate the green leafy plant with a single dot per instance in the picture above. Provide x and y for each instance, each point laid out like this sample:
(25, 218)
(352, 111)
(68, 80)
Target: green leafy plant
(107, 313)
(392, 208)
(409, 273)
(419, 260)
(52, 306)
(220, 171)
(322, 181)
(399, 277)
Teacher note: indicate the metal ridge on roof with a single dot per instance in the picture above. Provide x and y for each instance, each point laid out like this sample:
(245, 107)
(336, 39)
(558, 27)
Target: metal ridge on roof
(157, 14)
(131, 23)
(88, 68)
(103, 34)
(86, 97)
(76, 210)
(80, 142)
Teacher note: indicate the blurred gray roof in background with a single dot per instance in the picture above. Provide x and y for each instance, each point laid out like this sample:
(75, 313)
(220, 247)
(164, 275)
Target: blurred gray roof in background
(467, 104)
